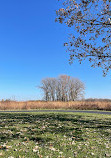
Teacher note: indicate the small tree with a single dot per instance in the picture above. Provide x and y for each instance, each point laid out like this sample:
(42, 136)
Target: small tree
(91, 37)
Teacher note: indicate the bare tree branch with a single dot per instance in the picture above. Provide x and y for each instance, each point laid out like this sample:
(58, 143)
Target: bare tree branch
(91, 39)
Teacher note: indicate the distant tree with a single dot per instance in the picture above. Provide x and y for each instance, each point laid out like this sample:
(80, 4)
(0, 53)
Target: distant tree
(91, 23)
(45, 87)
(52, 90)
(48, 87)
(63, 88)
(76, 89)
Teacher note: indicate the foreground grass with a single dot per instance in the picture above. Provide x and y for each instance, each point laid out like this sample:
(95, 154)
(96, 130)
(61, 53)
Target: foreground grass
(55, 135)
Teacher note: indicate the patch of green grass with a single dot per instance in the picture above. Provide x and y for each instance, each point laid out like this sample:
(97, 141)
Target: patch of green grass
(55, 135)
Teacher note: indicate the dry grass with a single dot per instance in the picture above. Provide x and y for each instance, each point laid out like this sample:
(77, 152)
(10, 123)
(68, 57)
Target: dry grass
(82, 105)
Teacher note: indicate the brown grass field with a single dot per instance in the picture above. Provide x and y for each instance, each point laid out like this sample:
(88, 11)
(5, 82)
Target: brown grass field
(77, 105)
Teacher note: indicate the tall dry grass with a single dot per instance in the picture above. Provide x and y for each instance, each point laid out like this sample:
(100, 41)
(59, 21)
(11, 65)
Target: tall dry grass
(79, 105)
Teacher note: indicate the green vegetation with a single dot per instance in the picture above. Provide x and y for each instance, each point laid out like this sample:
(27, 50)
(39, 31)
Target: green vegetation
(55, 135)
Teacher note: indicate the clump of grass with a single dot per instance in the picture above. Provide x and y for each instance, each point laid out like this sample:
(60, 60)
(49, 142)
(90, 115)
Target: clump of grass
(81, 105)
(54, 135)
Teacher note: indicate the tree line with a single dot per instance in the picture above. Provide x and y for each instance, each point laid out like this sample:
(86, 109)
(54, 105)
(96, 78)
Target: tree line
(62, 88)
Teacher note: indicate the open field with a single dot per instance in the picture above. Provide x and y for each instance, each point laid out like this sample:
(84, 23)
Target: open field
(77, 105)
(55, 135)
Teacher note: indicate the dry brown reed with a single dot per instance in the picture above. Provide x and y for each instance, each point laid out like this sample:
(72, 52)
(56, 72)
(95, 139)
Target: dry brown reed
(78, 105)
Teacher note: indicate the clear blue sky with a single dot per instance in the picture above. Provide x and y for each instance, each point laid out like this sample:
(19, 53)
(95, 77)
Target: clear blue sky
(31, 48)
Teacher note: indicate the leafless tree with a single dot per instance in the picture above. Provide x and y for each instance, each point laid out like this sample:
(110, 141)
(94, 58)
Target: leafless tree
(62, 88)
(64, 82)
(45, 87)
(91, 25)
(77, 89)
(52, 90)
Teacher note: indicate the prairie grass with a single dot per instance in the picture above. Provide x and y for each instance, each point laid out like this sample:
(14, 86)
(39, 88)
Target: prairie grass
(79, 105)
(55, 135)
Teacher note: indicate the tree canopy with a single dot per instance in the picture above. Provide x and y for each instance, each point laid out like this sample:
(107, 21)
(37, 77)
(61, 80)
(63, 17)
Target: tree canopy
(91, 36)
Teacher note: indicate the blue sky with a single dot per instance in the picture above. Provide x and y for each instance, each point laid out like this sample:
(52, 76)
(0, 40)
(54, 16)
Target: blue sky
(31, 48)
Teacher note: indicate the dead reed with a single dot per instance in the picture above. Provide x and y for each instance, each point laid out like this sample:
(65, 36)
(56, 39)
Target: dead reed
(79, 105)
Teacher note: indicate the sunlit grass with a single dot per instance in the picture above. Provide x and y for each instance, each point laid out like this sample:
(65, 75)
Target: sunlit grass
(55, 135)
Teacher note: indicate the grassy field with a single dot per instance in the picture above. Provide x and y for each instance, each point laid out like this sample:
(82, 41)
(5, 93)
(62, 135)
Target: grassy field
(55, 135)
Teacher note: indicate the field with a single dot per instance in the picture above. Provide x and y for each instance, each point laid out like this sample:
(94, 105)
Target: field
(79, 105)
(55, 135)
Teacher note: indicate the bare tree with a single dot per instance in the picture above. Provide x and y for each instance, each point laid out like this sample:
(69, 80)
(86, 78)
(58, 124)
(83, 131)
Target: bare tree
(48, 86)
(63, 88)
(64, 82)
(58, 89)
(52, 90)
(45, 88)
(91, 37)
(78, 89)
